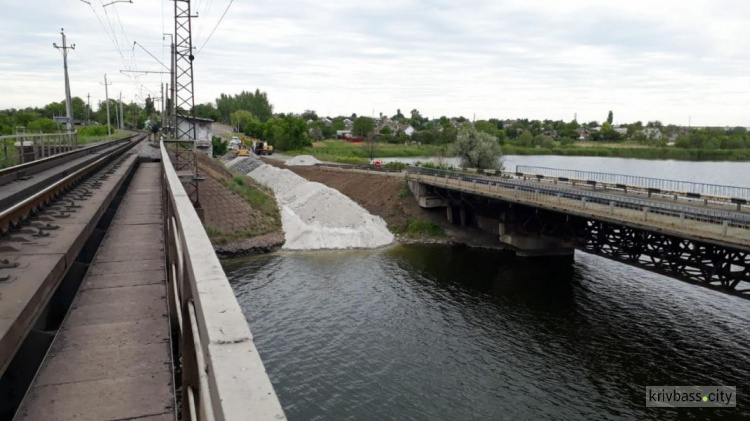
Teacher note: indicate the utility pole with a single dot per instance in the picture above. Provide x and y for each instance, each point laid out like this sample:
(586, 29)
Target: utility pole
(117, 115)
(162, 104)
(68, 103)
(106, 93)
(172, 107)
(88, 108)
(122, 114)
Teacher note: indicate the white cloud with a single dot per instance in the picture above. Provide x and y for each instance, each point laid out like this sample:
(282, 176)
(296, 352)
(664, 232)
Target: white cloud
(645, 60)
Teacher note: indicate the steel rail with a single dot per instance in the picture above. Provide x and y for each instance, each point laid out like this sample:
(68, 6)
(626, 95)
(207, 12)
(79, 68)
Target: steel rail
(15, 172)
(19, 211)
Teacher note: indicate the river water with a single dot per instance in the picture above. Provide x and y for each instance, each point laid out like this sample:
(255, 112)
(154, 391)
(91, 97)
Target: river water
(449, 333)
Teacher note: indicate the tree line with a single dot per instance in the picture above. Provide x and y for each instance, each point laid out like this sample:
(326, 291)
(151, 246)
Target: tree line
(40, 119)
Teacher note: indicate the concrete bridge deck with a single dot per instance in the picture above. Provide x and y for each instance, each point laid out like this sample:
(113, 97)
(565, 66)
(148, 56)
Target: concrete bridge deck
(647, 214)
(112, 358)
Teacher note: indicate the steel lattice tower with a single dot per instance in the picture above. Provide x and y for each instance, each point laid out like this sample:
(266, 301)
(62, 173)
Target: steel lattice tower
(184, 69)
(182, 148)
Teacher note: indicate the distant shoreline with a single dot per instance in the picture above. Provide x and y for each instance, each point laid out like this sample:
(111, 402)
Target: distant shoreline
(355, 153)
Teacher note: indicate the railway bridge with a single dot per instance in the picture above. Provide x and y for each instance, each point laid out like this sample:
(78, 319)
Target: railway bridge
(699, 233)
(113, 304)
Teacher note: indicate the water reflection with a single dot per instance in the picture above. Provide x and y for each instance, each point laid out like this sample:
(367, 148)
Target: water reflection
(448, 333)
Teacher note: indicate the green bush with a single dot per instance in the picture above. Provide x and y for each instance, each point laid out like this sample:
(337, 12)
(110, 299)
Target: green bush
(92, 131)
(395, 166)
(419, 228)
(219, 146)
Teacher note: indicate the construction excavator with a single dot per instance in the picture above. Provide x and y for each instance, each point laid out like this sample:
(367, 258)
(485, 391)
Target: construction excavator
(258, 147)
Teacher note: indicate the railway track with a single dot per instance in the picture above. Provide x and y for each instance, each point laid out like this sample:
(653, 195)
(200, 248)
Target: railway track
(27, 188)
(53, 215)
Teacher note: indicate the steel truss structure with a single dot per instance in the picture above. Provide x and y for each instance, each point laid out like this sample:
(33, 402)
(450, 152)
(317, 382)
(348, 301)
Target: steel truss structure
(182, 148)
(185, 99)
(717, 266)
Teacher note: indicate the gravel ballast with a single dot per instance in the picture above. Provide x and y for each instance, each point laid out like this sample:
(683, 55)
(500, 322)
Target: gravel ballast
(243, 164)
(315, 216)
(302, 161)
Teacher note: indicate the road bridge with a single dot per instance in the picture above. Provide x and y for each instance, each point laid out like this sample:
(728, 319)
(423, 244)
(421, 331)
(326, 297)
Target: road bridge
(113, 304)
(700, 236)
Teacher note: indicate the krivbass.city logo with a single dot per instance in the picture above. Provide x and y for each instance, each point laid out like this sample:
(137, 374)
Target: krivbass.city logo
(691, 396)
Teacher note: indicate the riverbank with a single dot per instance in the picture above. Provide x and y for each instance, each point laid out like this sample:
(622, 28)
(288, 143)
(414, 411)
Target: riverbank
(359, 153)
(389, 198)
(240, 216)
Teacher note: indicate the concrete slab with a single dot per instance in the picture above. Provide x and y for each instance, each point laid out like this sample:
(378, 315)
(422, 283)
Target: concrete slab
(121, 295)
(88, 337)
(134, 251)
(113, 280)
(134, 397)
(112, 356)
(77, 365)
(127, 267)
(107, 313)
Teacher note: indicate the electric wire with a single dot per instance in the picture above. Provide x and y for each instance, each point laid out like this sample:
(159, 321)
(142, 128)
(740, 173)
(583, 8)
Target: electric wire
(215, 27)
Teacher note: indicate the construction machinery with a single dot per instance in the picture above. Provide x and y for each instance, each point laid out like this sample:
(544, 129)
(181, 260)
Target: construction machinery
(262, 148)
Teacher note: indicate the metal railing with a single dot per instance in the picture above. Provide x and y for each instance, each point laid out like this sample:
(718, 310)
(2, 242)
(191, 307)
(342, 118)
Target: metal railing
(581, 199)
(223, 377)
(21, 148)
(664, 185)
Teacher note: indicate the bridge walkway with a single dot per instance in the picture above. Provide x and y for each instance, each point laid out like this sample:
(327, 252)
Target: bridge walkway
(112, 358)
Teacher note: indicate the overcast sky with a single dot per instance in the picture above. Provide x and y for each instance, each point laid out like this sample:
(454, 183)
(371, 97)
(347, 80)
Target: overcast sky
(645, 60)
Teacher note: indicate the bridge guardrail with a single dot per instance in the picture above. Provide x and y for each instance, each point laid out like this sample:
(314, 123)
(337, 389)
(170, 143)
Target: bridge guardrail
(665, 185)
(648, 206)
(42, 145)
(223, 377)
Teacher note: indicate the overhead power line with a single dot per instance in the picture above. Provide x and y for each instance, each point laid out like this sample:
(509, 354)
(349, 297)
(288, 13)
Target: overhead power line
(215, 27)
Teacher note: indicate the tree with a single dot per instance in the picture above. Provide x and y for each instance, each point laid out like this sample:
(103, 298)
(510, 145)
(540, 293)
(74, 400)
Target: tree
(241, 118)
(255, 102)
(477, 149)
(487, 127)
(363, 126)
(416, 120)
(526, 139)
(207, 110)
(386, 131)
(338, 124)
(44, 125)
(371, 147)
(287, 133)
(609, 133)
(79, 108)
(149, 106)
(218, 146)
(309, 115)
(610, 117)
(316, 134)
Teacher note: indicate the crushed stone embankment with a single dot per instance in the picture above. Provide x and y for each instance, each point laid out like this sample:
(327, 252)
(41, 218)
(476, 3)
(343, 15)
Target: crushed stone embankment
(315, 216)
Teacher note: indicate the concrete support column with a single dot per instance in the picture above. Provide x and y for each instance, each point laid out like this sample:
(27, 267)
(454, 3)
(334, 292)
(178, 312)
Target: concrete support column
(449, 213)
(463, 216)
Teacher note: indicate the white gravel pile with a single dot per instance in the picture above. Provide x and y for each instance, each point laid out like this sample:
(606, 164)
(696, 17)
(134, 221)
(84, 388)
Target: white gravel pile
(315, 216)
(243, 164)
(302, 161)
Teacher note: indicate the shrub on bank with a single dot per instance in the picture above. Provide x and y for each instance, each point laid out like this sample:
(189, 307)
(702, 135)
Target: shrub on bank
(92, 131)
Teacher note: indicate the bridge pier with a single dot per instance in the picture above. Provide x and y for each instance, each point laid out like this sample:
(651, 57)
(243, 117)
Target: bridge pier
(525, 245)
(426, 198)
